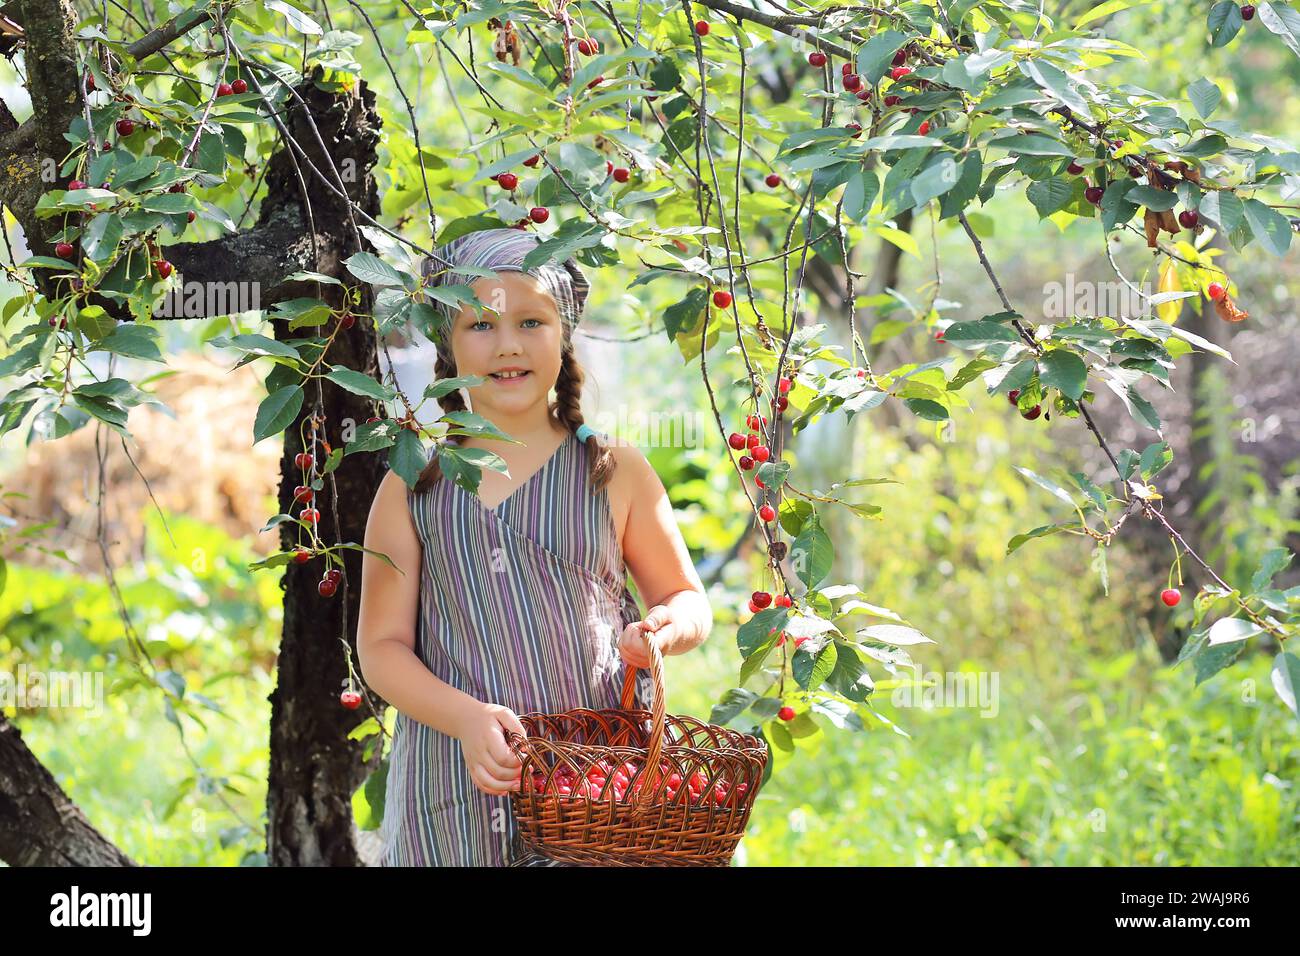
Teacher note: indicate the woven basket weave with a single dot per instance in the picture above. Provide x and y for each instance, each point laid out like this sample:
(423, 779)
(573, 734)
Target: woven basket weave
(654, 823)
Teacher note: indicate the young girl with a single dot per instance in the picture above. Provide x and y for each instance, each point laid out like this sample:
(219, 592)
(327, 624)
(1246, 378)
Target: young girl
(515, 599)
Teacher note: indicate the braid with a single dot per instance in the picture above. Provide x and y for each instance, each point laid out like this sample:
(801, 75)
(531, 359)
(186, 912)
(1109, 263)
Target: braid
(451, 402)
(567, 407)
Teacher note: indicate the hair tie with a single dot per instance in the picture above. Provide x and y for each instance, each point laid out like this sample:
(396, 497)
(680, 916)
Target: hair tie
(585, 431)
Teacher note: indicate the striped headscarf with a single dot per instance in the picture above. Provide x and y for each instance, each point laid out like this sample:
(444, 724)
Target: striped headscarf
(504, 250)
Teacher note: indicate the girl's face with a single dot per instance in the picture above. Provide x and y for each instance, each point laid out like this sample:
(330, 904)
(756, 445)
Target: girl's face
(520, 328)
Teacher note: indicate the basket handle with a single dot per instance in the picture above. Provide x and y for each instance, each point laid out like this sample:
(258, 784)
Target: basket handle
(657, 710)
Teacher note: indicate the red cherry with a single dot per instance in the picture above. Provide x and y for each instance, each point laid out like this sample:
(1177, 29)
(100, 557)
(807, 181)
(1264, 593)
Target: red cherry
(301, 556)
(164, 268)
(938, 336)
(736, 440)
(900, 57)
(759, 481)
(1074, 168)
(924, 127)
(621, 174)
(1188, 218)
(852, 81)
(762, 598)
(347, 320)
(371, 420)
(898, 72)
(892, 100)
(539, 214)
(846, 68)
(191, 216)
(334, 574)
(326, 588)
(798, 641)
(225, 89)
(589, 46)
(773, 180)
(746, 463)
(58, 322)
(304, 459)
(817, 58)
(702, 27)
(77, 184)
(609, 167)
(176, 188)
(1170, 596)
(783, 600)
(1248, 12)
(64, 250)
(1215, 291)
(350, 699)
(532, 160)
(310, 515)
(1013, 395)
(125, 127)
(303, 493)
(767, 512)
(857, 127)
(722, 299)
(783, 385)
(1033, 412)
(239, 86)
(1093, 194)
(864, 95)
(762, 453)
(508, 181)
(752, 441)
(782, 403)
(753, 421)
(596, 82)
(786, 713)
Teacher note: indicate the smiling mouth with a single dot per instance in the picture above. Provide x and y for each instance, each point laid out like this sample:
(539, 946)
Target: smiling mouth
(511, 377)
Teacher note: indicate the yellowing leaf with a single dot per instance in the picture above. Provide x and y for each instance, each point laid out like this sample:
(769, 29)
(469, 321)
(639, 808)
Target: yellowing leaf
(1169, 311)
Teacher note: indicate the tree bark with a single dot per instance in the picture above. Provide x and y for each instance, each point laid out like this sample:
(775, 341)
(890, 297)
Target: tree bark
(39, 824)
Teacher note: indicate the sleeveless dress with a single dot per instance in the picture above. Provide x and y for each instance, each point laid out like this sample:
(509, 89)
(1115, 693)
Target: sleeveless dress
(520, 605)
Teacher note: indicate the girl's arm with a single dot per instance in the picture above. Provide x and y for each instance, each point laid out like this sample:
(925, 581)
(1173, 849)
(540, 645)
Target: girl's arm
(386, 627)
(661, 565)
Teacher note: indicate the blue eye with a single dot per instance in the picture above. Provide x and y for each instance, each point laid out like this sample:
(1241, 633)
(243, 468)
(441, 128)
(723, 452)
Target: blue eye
(485, 322)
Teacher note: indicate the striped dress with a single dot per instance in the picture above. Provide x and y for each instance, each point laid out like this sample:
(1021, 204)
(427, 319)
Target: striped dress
(520, 605)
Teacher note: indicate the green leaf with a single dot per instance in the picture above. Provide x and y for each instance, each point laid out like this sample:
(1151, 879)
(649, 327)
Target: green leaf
(170, 203)
(810, 671)
(926, 408)
(979, 334)
(935, 180)
(850, 678)
(1270, 227)
(372, 436)
(277, 412)
(895, 635)
(1223, 22)
(1229, 630)
(370, 268)
(1274, 560)
(734, 703)
(1204, 96)
(1046, 484)
(1061, 368)
(1049, 196)
(1285, 22)
(758, 630)
(257, 344)
(1032, 144)
(102, 236)
(1040, 532)
(1158, 200)
(1285, 674)
(1223, 208)
(358, 383)
(407, 457)
(876, 55)
(297, 19)
(134, 341)
(812, 553)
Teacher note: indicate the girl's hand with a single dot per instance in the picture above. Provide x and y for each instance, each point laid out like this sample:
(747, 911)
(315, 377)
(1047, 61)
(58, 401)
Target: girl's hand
(658, 626)
(493, 766)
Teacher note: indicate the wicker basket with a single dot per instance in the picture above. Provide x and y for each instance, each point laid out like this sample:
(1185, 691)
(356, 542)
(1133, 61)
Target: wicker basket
(657, 820)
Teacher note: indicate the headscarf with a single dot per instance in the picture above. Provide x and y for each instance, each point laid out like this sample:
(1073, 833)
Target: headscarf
(504, 250)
